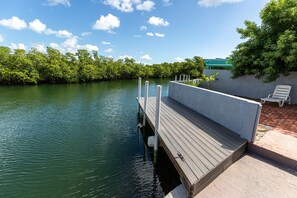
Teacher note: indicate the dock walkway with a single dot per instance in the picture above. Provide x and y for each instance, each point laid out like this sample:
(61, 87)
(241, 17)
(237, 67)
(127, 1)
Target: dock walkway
(199, 148)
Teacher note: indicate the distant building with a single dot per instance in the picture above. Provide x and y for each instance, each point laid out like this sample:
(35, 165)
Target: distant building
(217, 63)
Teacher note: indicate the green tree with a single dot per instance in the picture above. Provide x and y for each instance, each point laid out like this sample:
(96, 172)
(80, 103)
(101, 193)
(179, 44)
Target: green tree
(53, 66)
(208, 79)
(271, 48)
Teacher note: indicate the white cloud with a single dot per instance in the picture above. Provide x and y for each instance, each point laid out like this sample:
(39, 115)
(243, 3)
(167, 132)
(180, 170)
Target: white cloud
(40, 47)
(89, 47)
(59, 33)
(109, 50)
(57, 46)
(14, 46)
(125, 56)
(71, 45)
(167, 3)
(130, 5)
(105, 43)
(57, 2)
(1, 38)
(155, 34)
(50, 31)
(64, 34)
(107, 23)
(86, 33)
(122, 5)
(146, 57)
(146, 6)
(14, 23)
(157, 21)
(150, 34)
(209, 3)
(159, 35)
(37, 26)
(143, 28)
(137, 36)
(179, 59)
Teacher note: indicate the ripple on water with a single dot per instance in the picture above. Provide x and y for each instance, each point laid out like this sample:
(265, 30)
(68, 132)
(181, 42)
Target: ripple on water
(73, 141)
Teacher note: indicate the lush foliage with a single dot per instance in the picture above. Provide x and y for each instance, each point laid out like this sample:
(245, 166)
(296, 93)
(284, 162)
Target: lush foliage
(209, 79)
(203, 78)
(271, 48)
(33, 67)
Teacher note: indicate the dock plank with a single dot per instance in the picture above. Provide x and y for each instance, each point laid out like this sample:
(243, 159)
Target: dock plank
(207, 147)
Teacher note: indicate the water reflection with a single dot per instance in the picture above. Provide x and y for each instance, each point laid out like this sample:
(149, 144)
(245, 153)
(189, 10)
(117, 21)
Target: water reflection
(77, 140)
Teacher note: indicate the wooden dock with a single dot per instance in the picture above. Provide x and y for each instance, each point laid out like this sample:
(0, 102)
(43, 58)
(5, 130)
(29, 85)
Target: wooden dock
(199, 148)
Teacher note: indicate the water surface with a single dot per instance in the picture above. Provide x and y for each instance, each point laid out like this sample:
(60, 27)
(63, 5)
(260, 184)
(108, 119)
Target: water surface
(78, 140)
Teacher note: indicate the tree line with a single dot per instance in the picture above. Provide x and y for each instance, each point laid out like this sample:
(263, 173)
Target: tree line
(34, 67)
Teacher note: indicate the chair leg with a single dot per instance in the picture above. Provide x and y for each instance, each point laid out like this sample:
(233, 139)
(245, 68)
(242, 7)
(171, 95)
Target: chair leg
(281, 103)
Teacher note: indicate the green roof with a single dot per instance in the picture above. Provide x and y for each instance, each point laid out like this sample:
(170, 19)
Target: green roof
(218, 62)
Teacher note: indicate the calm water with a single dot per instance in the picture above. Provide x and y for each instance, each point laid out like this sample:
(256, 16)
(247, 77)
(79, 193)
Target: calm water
(78, 141)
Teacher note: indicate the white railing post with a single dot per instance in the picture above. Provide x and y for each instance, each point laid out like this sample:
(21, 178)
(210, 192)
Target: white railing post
(146, 88)
(158, 113)
(189, 77)
(184, 77)
(179, 77)
(175, 79)
(139, 94)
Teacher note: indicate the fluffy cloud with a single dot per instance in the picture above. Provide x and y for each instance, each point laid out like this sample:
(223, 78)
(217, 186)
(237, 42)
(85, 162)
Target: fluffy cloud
(14, 23)
(89, 47)
(56, 46)
(109, 50)
(86, 33)
(105, 43)
(1, 38)
(37, 26)
(71, 45)
(159, 35)
(14, 46)
(167, 3)
(59, 33)
(146, 57)
(57, 2)
(150, 34)
(179, 59)
(125, 56)
(107, 23)
(130, 5)
(155, 34)
(64, 34)
(39, 47)
(209, 3)
(122, 5)
(146, 6)
(142, 28)
(157, 21)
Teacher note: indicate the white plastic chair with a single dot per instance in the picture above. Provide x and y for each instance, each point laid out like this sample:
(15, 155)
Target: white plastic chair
(280, 95)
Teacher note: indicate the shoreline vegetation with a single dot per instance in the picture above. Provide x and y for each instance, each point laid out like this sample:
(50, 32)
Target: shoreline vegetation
(20, 67)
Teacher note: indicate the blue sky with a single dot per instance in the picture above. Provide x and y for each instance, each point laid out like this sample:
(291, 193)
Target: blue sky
(150, 31)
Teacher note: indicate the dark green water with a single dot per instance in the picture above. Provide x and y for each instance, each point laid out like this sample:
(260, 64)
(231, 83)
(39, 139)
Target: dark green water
(78, 141)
